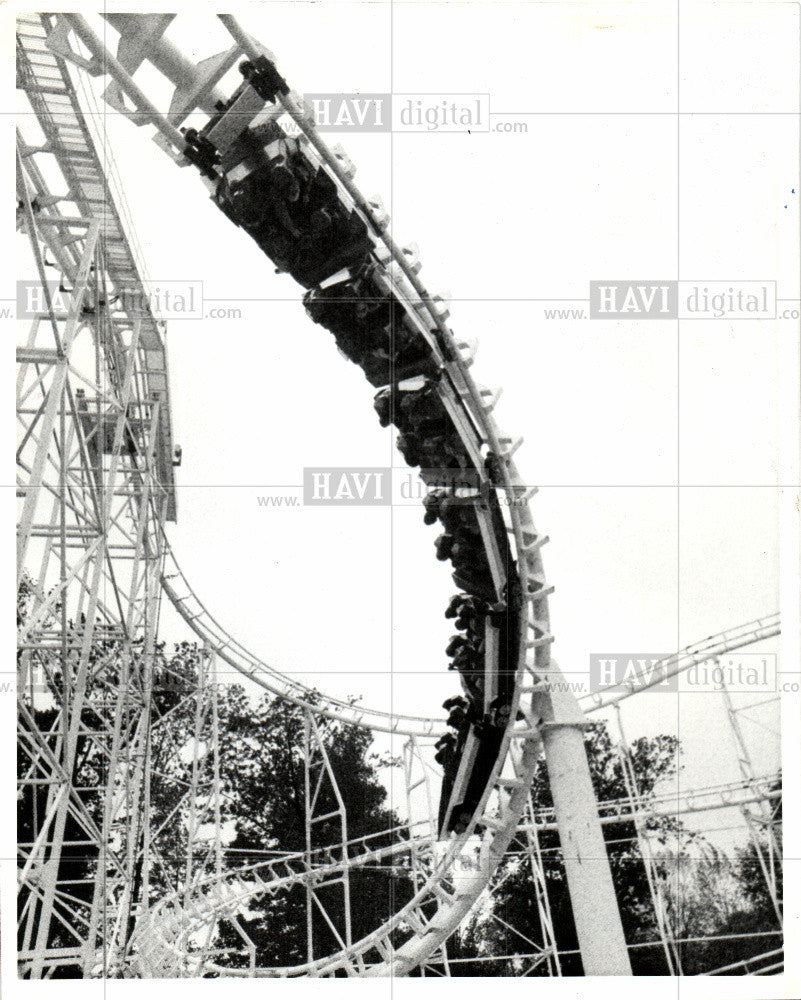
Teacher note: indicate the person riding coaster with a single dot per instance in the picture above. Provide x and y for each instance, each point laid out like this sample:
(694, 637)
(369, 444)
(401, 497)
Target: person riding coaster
(291, 208)
(378, 338)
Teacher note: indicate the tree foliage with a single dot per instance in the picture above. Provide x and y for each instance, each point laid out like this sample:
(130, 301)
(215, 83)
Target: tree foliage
(263, 810)
(707, 894)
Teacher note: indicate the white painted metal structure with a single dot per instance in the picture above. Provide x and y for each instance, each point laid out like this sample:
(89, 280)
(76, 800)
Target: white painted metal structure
(96, 485)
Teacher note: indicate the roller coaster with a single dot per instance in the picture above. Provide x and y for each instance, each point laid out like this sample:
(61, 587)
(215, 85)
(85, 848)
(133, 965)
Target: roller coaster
(97, 486)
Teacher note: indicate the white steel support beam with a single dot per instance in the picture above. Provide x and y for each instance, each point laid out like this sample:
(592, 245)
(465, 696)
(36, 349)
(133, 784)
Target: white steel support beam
(589, 877)
(761, 828)
(91, 514)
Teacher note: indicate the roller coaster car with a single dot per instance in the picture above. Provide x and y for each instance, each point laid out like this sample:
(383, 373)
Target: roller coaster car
(433, 445)
(480, 550)
(470, 615)
(471, 677)
(337, 305)
(467, 555)
(458, 642)
(404, 355)
(508, 623)
(412, 405)
(486, 655)
(465, 776)
(400, 353)
(369, 329)
(460, 713)
(458, 516)
(465, 609)
(334, 306)
(466, 654)
(442, 448)
(477, 584)
(447, 756)
(421, 409)
(290, 207)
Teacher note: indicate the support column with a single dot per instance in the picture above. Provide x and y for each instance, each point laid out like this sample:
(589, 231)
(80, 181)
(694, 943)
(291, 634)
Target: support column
(589, 878)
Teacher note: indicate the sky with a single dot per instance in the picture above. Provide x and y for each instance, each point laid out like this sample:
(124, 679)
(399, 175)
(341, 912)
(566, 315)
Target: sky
(657, 445)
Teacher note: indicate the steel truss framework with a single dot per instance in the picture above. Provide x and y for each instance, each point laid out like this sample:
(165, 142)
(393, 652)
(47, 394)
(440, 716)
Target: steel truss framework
(760, 812)
(96, 488)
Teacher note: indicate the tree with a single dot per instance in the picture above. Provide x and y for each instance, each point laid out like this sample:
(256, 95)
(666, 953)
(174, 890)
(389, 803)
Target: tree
(513, 896)
(707, 894)
(746, 925)
(263, 767)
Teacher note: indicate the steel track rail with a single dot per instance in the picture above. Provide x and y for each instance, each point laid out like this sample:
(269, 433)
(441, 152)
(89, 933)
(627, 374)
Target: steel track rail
(537, 691)
(707, 649)
(374, 955)
(205, 626)
(268, 876)
(173, 924)
(697, 800)
(466, 396)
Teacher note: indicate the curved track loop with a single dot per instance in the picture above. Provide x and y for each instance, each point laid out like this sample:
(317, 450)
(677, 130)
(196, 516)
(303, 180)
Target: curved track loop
(208, 630)
(470, 409)
(532, 662)
(461, 395)
(163, 942)
(173, 924)
(162, 939)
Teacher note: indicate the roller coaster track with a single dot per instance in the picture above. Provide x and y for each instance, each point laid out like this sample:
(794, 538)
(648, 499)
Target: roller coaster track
(176, 926)
(173, 923)
(544, 716)
(730, 795)
(672, 666)
(201, 621)
(208, 630)
(471, 406)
